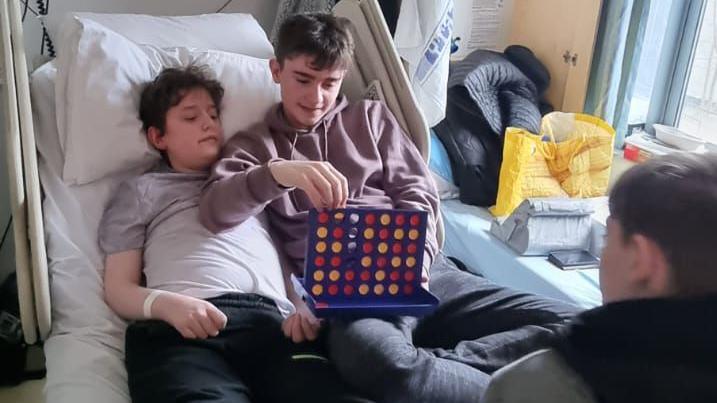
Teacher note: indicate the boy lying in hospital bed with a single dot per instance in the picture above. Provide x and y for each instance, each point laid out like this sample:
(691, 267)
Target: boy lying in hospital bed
(208, 323)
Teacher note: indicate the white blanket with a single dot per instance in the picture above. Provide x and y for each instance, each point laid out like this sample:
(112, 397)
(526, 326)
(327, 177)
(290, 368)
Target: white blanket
(85, 350)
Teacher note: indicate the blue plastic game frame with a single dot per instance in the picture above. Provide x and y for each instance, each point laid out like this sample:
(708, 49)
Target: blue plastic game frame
(338, 245)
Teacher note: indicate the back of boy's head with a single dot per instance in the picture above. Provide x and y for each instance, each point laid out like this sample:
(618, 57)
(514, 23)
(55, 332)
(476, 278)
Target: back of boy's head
(672, 200)
(168, 89)
(324, 37)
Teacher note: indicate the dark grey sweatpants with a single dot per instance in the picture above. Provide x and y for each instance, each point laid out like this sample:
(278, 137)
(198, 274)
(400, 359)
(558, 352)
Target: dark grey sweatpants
(449, 355)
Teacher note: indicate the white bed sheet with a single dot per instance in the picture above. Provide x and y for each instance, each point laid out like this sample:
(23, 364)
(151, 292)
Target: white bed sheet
(468, 238)
(85, 350)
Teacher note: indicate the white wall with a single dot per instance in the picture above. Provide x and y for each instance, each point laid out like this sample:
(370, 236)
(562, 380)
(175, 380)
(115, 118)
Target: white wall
(263, 10)
(489, 18)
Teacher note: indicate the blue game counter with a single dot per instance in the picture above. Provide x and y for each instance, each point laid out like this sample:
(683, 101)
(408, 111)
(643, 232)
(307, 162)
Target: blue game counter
(468, 238)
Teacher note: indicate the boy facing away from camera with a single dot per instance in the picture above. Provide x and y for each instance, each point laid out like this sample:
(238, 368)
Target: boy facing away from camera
(317, 150)
(654, 339)
(208, 322)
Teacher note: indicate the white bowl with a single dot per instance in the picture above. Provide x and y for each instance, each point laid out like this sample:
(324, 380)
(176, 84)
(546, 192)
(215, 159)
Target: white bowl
(711, 146)
(676, 138)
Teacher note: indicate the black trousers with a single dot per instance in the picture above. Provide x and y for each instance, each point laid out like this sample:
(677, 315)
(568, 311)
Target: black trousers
(249, 361)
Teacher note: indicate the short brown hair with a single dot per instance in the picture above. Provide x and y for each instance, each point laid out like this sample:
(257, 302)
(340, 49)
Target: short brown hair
(673, 201)
(168, 89)
(322, 36)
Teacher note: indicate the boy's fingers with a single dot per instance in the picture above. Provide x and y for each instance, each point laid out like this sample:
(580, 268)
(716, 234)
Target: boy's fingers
(208, 325)
(314, 196)
(312, 192)
(336, 186)
(286, 326)
(309, 331)
(338, 197)
(330, 182)
(342, 185)
(314, 332)
(345, 185)
(314, 321)
(196, 327)
(187, 333)
(296, 335)
(343, 182)
(323, 186)
(218, 317)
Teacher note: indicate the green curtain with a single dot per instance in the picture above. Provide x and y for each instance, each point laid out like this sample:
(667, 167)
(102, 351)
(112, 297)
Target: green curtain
(616, 61)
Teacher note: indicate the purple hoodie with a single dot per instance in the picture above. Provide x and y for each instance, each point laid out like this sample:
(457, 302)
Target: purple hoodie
(363, 141)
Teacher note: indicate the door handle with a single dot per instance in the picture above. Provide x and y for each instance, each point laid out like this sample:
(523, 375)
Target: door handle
(569, 58)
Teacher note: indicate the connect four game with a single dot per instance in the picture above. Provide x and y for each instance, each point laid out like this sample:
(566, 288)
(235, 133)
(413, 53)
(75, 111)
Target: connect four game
(366, 263)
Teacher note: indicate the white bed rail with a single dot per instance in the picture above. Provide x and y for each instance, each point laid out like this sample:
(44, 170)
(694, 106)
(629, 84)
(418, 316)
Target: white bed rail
(31, 256)
(374, 44)
(18, 201)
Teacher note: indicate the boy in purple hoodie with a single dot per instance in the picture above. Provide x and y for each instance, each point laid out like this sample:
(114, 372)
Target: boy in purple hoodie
(315, 149)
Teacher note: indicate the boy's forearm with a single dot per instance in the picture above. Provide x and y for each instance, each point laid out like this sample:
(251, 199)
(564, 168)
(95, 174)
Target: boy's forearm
(123, 292)
(123, 272)
(234, 197)
(127, 300)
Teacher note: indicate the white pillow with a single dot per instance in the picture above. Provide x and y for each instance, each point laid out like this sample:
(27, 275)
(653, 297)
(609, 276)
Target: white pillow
(103, 86)
(237, 33)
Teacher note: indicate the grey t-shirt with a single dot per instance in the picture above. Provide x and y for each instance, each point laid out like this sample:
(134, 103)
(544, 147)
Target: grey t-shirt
(159, 213)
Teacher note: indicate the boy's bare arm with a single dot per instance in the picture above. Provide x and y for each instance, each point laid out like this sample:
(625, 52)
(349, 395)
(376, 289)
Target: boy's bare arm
(123, 272)
(192, 317)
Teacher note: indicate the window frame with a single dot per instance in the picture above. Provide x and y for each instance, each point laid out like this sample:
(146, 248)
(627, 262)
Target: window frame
(681, 40)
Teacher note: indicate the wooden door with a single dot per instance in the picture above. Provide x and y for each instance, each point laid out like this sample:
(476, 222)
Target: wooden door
(561, 33)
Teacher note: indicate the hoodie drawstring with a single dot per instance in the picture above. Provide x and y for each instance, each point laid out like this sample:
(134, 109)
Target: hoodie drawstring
(293, 146)
(326, 143)
(324, 157)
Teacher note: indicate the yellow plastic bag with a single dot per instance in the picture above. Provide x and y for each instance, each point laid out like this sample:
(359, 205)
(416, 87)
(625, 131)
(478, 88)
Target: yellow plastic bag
(572, 157)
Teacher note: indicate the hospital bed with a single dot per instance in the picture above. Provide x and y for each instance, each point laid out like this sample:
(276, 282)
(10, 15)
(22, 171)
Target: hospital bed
(468, 238)
(59, 266)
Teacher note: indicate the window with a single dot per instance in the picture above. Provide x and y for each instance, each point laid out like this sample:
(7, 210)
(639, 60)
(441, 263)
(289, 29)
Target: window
(677, 56)
(698, 115)
(650, 56)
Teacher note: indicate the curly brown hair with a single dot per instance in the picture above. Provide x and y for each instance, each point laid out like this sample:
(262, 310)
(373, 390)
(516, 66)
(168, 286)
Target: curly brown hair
(168, 89)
